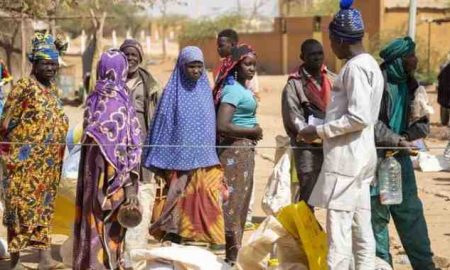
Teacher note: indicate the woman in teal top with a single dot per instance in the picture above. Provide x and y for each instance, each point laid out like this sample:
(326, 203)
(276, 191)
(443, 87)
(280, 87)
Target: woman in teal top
(243, 101)
(239, 131)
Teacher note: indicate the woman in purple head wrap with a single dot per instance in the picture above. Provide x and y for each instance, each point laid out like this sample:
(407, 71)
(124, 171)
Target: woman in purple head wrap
(109, 167)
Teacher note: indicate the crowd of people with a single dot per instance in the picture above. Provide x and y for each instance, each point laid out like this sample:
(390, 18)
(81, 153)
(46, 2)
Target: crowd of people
(188, 150)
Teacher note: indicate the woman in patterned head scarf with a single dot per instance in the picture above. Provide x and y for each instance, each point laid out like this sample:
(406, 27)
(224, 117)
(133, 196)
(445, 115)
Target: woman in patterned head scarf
(183, 156)
(239, 131)
(34, 124)
(109, 167)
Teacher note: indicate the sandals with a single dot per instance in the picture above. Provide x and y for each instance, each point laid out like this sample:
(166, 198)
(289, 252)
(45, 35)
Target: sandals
(217, 249)
(58, 265)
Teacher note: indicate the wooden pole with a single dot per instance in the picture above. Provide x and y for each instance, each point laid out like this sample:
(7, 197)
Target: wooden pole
(53, 27)
(23, 45)
(429, 48)
(412, 19)
(284, 47)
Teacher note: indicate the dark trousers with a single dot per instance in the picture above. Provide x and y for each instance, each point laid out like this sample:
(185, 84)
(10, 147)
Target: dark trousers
(308, 163)
(409, 221)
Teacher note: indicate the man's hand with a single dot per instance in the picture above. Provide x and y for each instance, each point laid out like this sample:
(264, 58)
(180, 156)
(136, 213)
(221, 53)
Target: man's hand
(308, 134)
(409, 146)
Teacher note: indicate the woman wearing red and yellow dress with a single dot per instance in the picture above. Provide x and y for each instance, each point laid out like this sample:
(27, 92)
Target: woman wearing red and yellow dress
(34, 127)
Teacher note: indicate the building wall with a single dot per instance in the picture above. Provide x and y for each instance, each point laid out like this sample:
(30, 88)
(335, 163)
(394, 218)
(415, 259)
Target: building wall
(384, 23)
(278, 51)
(437, 36)
(372, 12)
(268, 48)
(266, 45)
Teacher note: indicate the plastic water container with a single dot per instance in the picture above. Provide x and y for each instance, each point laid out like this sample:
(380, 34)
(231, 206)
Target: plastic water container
(3, 249)
(390, 180)
(447, 152)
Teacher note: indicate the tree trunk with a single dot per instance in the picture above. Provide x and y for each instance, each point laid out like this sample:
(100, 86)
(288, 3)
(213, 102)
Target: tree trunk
(98, 45)
(9, 53)
(23, 46)
(99, 35)
(164, 47)
(10, 49)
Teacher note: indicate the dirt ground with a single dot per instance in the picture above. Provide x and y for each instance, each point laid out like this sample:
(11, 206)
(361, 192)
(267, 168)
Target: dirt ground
(434, 187)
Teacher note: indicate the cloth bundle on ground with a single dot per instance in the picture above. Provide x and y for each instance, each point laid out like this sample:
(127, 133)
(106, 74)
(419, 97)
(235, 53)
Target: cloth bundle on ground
(177, 257)
(72, 161)
(255, 253)
(301, 243)
(65, 199)
(277, 192)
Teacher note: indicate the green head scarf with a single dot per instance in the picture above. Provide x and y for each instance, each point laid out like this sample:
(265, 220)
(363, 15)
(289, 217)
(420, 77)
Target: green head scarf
(397, 78)
(393, 54)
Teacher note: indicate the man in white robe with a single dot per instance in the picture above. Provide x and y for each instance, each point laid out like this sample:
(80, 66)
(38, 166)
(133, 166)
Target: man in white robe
(349, 147)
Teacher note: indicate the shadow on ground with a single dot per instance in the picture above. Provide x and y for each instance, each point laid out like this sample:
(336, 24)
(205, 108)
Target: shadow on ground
(30, 258)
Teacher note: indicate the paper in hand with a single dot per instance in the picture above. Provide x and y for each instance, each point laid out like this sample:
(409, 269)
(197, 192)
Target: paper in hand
(299, 124)
(314, 121)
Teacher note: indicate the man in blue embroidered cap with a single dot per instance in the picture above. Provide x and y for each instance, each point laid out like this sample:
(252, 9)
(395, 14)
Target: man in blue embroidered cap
(343, 186)
(399, 124)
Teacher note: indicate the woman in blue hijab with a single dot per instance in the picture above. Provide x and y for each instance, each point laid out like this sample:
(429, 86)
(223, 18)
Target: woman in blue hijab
(183, 156)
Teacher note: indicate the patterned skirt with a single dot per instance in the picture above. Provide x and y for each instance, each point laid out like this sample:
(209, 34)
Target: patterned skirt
(98, 236)
(189, 204)
(239, 165)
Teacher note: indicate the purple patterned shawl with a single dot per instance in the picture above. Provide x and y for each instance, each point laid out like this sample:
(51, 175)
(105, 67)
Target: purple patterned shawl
(110, 119)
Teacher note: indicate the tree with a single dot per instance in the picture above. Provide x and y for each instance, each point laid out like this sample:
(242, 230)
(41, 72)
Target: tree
(308, 7)
(198, 30)
(255, 11)
(33, 8)
(326, 7)
(9, 40)
(121, 17)
(21, 11)
(163, 6)
(98, 11)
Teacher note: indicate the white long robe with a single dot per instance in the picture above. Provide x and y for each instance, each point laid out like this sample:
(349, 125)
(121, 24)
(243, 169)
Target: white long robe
(348, 135)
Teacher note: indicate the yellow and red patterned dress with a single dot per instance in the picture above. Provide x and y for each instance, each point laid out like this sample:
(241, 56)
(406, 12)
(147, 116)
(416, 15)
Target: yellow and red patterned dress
(33, 121)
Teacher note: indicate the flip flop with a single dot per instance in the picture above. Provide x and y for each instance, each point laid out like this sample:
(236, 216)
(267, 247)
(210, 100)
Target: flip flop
(217, 249)
(58, 265)
(195, 244)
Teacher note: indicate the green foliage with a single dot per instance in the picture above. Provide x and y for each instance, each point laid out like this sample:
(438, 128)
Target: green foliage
(171, 20)
(34, 8)
(197, 30)
(325, 7)
(427, 77)
(311, 7)
(74, 26)
(122, 16)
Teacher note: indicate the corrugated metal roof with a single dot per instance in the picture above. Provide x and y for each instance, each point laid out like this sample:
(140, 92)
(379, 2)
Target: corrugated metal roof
(438, 4)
